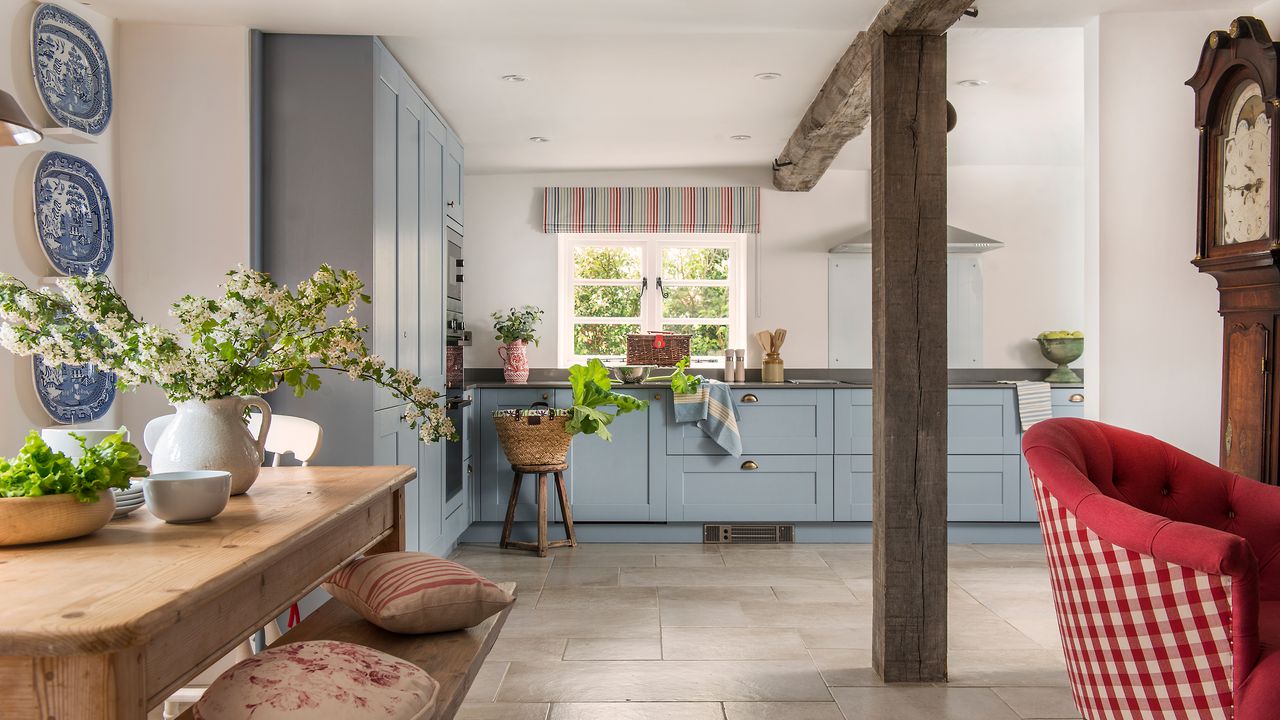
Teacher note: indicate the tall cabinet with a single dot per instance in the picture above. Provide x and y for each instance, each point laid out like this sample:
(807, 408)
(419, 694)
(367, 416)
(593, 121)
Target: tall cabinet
(355, 173)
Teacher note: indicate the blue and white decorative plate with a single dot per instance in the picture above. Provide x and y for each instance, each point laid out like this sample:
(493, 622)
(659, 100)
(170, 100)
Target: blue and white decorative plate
(71, 71)
(73, 393)
(73, 215)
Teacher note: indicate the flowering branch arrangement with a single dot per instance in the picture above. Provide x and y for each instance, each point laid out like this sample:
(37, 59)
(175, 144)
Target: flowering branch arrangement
(255, 337)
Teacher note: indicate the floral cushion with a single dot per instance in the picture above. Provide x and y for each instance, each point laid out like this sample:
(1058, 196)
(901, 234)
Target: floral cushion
(409, 592)
(320, 679)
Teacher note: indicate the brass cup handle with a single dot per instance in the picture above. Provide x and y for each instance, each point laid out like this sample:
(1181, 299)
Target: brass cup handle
(750, 465)
(1076, 397)
(546, 396)
(750, 398)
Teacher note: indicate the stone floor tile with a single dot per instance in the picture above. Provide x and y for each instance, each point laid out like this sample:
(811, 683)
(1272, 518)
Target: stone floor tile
(527, 649)
(702, 613)
(848, 613)
(578, 576)
(790, 576)
(701, 643)
(605, 560)
(485, 686)
(633, 548)
(782, 711)
(921, 703)
(669, 681)
(711, 593)
(816, 594)
(567, 596)
(637, 711)
(846, 668)
(613, 649)
(584, 622)
(1017, 668)
(1039, 703)
(503, 711)
(752, 557)
(690, 560)
(855, 638)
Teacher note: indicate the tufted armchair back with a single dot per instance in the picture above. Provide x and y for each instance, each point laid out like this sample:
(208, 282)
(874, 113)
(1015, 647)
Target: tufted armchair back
(1158, 478)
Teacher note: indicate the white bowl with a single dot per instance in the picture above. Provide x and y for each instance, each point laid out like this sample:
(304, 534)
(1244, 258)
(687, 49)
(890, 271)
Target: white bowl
(189, 496)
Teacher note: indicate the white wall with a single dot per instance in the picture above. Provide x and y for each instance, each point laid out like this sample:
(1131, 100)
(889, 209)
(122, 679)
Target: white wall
(183, 143)
(1160, 337)
(20, 253)
(1033, 284)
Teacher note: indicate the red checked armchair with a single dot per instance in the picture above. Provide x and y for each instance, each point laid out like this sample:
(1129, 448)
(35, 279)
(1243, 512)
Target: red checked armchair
(1165, 575)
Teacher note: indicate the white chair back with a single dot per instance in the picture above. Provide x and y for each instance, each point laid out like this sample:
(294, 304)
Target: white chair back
(297, 436)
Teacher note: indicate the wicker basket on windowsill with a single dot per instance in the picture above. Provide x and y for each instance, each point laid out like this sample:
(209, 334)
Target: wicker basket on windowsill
(534, 436)
(662, 349)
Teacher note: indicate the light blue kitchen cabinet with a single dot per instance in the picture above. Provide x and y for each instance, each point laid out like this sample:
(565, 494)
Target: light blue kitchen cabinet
(980, 488)
(453, 179)
(757, 488)
(1067, 402)
(495, 469)
(980, 421)
(785, 421)
(623, 480)
(353, 175)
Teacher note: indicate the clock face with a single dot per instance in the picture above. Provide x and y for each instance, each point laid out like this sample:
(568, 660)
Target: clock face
(1245, 171)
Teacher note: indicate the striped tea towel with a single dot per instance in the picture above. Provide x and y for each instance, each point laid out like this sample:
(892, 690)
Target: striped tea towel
(1035, 402)
(713, 409)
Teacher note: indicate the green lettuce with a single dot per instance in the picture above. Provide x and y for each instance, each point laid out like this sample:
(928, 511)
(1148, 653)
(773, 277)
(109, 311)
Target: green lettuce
(592, 390)
(38, 470)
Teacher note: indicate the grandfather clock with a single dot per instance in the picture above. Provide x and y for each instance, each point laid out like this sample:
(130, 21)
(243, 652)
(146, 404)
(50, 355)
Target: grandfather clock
(1237, 239)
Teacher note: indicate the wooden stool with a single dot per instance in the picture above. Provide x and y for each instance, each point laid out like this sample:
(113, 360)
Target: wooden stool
(542, 471)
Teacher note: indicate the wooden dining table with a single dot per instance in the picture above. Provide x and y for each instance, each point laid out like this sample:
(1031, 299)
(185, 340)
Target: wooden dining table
(109, 625)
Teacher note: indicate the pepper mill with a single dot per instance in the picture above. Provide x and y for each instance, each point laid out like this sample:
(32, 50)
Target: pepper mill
(728, 365)
(740, 366)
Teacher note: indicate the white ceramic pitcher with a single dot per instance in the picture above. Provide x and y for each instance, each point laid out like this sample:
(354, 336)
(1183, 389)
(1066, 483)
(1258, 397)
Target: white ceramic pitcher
(212, 436)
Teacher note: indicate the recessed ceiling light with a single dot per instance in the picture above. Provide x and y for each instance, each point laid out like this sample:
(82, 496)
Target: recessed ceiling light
(539, 139)
(514, 78)
(972, 83)
(768, 76)
(739, 137)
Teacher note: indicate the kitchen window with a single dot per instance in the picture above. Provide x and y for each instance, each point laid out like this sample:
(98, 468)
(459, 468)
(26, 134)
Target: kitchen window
(612, 285)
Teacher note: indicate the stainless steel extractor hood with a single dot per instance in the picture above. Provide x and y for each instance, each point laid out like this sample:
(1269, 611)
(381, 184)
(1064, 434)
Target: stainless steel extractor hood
(958, 241)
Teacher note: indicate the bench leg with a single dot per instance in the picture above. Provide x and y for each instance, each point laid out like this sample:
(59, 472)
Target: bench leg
(563, 492)
(511, 511)
(542, 514)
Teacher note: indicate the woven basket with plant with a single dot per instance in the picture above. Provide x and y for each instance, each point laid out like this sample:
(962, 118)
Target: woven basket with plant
(541, 435)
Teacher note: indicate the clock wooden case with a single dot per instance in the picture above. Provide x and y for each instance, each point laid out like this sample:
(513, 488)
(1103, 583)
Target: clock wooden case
(1236, 112)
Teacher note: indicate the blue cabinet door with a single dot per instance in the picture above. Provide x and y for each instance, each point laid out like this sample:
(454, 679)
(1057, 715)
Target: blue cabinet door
(853, 421)
(980, 421)
(980, 488)
(495, 470)
(773, 422)
(1067, 402)
(395, 443)
(760, 488)
(620, 481)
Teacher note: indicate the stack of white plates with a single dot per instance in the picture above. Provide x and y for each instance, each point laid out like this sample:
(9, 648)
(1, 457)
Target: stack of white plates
(128, 500)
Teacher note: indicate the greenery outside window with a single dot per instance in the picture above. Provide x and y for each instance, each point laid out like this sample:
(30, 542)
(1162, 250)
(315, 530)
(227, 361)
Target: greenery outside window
(612, 285)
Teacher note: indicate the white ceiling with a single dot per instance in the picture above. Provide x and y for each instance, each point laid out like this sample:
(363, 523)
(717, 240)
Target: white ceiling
(665, 83)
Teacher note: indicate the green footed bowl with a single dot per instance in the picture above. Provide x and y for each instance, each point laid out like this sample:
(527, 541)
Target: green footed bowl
(1063, 352)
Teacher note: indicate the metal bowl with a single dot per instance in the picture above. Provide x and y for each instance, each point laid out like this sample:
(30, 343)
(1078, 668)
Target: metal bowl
(631, 373)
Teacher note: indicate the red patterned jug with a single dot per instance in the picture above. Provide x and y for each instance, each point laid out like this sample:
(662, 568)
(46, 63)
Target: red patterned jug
(515, 362)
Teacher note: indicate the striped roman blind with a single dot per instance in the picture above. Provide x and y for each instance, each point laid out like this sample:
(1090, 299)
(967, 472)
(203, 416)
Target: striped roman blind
(651, 210)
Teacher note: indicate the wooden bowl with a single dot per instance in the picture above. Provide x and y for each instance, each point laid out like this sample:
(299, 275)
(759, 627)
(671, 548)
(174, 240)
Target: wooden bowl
(52, 517)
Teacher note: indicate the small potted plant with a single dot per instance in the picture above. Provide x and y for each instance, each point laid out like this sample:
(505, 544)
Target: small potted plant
(46, 496)
(515, 330)
(1061, 347)
(541, 435)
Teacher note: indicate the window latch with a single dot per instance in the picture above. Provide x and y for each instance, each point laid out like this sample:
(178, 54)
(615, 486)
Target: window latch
(644, 285)
(663, 290)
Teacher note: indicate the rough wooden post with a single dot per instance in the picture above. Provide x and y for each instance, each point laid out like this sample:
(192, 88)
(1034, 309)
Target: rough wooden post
(909, 392)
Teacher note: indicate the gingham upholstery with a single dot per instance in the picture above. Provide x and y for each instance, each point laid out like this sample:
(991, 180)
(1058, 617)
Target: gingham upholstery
(1142, 638)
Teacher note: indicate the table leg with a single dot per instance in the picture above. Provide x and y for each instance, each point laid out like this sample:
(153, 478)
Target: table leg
(78, 687)
(395, 541)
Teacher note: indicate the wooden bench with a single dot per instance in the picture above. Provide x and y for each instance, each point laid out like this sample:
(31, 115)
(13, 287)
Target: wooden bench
(452, 658)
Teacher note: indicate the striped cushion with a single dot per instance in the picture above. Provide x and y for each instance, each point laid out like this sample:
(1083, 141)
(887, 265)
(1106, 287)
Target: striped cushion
(320, 679)
(411, 593)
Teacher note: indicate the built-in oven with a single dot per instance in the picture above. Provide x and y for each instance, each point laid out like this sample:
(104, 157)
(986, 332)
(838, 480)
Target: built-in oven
(455, 327)
(455, 450)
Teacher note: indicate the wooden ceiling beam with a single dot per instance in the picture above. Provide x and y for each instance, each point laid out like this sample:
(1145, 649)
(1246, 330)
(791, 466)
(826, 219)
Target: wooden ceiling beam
(842, 109)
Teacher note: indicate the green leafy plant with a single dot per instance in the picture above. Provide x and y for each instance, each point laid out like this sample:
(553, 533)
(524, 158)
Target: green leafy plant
(1060, 335)
(517, 324)
(39, 470)
(592, 391)
(682, 383)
